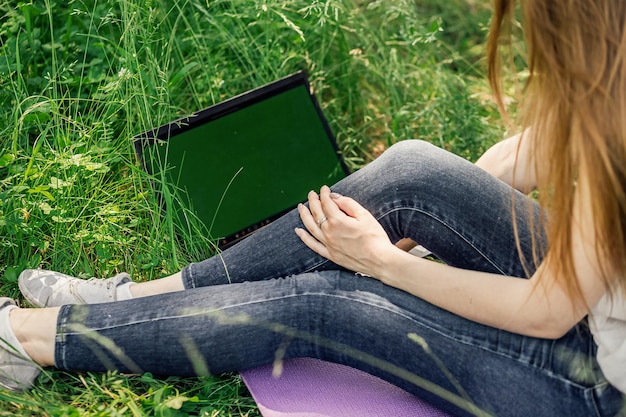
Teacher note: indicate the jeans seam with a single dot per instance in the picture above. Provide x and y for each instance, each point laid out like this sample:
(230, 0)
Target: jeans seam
(591, 394)
(188, 277)
(61, 337)
(400, 313)
(449, 227)
(544, 370)
(314, 267)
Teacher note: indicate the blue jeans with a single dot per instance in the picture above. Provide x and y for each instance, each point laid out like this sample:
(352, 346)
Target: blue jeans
(270, 297)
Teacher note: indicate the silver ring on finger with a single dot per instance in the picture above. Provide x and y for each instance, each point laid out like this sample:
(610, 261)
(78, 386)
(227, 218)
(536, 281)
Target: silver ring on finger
(320, 221)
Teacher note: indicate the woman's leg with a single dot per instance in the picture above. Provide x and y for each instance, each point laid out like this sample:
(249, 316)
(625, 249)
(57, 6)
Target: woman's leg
(340, 317)
(416, 190)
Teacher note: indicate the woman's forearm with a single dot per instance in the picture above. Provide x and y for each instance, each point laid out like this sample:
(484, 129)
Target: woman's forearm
(508, 303)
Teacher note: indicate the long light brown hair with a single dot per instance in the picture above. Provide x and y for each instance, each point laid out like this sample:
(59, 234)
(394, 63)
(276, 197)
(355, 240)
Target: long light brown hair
(575, 102)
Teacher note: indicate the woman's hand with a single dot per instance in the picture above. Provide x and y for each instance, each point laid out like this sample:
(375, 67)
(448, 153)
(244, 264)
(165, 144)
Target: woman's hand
(343, 231)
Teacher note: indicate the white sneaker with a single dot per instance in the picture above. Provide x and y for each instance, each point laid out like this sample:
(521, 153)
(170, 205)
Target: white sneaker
(52, 289)
(17, 370)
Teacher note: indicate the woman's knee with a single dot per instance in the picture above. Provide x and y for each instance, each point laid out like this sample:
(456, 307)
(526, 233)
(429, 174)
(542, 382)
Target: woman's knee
(410, 152)
(411, 158)
(410, 165)
(411, 145)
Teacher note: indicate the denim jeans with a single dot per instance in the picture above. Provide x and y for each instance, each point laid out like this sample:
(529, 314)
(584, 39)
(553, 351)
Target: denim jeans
(270, 297)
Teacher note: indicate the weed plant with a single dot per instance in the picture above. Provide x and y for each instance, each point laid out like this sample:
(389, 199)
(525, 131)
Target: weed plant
(79, 78)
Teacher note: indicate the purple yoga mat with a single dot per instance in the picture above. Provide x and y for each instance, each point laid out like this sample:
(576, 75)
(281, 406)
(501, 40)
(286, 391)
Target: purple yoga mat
(314, 388)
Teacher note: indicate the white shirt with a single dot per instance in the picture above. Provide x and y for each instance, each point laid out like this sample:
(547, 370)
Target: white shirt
(608, 326)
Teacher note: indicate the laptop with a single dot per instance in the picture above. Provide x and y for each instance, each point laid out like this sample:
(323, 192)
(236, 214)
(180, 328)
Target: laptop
(242, 163)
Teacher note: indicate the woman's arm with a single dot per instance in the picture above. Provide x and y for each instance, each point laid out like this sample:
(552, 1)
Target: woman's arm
(511, 163)
(537, 307)
(533, 307)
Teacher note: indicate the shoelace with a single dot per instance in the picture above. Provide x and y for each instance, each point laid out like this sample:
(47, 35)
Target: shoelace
(97, 283)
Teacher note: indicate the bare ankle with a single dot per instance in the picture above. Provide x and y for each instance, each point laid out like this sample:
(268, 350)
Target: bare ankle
(35, 329)
(172, 283)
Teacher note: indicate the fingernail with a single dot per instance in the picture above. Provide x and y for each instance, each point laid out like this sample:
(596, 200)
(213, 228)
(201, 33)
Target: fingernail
(335, 195)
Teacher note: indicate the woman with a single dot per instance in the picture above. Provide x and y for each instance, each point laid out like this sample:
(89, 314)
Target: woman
(503, 322)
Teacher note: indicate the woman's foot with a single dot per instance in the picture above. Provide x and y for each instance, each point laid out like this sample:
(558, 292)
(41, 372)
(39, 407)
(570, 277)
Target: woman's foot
(17, 371)
(52, 289)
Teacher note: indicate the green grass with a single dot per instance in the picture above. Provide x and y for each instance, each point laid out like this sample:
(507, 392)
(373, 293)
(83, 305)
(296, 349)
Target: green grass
(79, 78)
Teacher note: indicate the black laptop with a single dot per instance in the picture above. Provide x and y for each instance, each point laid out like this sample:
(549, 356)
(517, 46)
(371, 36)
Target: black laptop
(242, 163)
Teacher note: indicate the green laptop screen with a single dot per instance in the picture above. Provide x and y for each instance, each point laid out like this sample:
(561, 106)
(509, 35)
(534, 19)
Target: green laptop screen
(243, 168)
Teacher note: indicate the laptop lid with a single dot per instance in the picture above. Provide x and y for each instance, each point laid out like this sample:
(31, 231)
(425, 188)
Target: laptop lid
(242, 163)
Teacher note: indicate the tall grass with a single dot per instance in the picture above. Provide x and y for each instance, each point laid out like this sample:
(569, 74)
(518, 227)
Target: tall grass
(79, 78)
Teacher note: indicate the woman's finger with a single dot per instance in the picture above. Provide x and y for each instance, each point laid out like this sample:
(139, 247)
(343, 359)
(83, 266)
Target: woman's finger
(335, 204)
(315, 206)
(313, 243)
(328, 205)
(310, 222)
